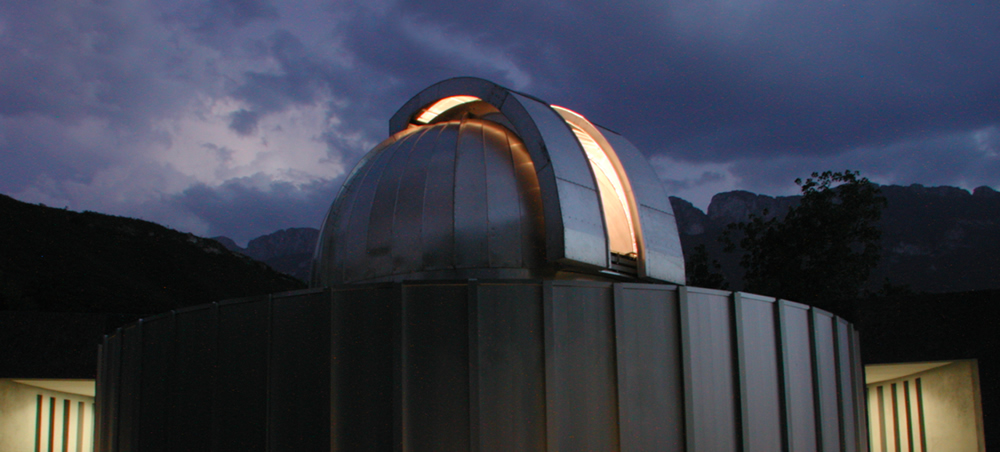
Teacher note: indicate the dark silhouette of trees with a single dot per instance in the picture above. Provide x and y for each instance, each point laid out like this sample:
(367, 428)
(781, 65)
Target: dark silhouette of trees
(822, 250)
(702, 272)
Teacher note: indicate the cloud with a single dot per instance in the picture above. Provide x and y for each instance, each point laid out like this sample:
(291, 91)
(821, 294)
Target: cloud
(169, 110)
(963, 158)
(243, 122)
(249, 207)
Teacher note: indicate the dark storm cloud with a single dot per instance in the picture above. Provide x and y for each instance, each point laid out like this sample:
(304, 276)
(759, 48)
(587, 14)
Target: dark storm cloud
(243, 122)
(723, 94)
(707, 177)
(968, 160)
(245, 208)
(241, 12)
(722, 80)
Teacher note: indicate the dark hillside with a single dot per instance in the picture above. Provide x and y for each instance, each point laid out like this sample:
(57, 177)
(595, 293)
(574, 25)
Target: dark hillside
(61, 261)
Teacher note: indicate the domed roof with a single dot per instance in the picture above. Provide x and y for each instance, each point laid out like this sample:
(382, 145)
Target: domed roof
(455, 199)
(478, 181)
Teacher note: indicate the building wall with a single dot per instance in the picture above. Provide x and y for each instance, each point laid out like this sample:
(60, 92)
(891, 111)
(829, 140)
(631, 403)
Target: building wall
(486, 365)
(36, 419)
(937, 410)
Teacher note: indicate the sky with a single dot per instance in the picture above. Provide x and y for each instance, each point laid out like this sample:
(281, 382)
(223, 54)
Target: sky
(239, 118)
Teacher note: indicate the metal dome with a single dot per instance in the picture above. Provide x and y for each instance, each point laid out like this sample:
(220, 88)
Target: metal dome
(478, 181)
(456, 199)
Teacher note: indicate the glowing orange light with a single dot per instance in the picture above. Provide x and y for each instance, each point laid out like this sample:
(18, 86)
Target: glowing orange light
(614, 197)
(442, 106)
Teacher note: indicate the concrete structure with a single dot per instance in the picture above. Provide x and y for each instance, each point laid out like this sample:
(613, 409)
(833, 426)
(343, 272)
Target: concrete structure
(919, 407)
(499, 274)
(46, 415)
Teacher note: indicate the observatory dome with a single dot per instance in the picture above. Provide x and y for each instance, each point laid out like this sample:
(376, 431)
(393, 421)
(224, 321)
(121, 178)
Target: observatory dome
(478, 181)
(454, 199)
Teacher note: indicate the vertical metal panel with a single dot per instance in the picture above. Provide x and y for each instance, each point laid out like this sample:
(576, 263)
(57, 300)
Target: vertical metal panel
(359, 218)
(504, 213)
(385, 204)
(583, 234)
(131, 373)
(683, 311)
(157, 383)
(845, 384)
(439, 214)
(712, 384)
(650, 382)
(241, 379)
(509, 374)
(532, 214)
(365, 331)
(646, 185)
(664, 259)
(299, 372)
(858, 371)
(798, 372)
(101, 394)
(407, 246)
(113, 411)
(331, 243)
(555, 240)
(760, 374)
(436, 374)
(825, 359)
(471, 213)
(581, 238)
(580, 381)
(195, 362)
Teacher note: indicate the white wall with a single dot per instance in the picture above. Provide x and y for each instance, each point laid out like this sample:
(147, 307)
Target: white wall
(20, 429)
(935, 410)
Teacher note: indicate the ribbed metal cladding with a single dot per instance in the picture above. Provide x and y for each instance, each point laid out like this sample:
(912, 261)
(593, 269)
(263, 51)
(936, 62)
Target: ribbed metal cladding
(485, 366)
(449, 200)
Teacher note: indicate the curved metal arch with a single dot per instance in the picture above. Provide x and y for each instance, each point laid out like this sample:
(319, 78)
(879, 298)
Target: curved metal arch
(574, 220)
(574, 226)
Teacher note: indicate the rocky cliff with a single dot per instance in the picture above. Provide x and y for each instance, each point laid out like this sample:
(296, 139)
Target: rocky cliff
(934, 239)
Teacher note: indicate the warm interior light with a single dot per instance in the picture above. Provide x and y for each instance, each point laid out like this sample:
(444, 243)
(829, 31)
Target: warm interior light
(614, 197)
(442, 106)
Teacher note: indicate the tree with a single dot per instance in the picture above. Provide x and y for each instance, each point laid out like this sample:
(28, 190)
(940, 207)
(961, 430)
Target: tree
(823, 250)
(702, 272)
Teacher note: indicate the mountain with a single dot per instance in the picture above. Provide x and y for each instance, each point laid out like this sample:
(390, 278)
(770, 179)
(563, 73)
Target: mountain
(934, 239)
(288, 251)
(56, 260)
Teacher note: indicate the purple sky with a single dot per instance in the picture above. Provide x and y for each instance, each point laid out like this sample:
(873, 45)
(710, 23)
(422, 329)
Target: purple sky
(238, 118)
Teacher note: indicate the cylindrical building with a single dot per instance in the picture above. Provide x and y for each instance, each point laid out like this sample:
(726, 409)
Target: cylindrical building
(498, 274)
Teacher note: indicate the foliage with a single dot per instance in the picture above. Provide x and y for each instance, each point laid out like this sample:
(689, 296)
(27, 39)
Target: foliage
(704, 273)
(823, 250)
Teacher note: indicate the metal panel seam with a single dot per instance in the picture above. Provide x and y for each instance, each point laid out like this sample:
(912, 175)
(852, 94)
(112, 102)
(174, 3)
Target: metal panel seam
(473, 333)
(214, 441)
(267, 375)
(840, 395)
(549, 338)
(686, 360)
(817, 379)
(137, 407)
(616, 296)
(786, 396)
(743, 414)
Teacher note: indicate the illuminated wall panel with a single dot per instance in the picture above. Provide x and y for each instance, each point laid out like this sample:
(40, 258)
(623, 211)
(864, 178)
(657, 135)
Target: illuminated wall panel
(932, 410)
